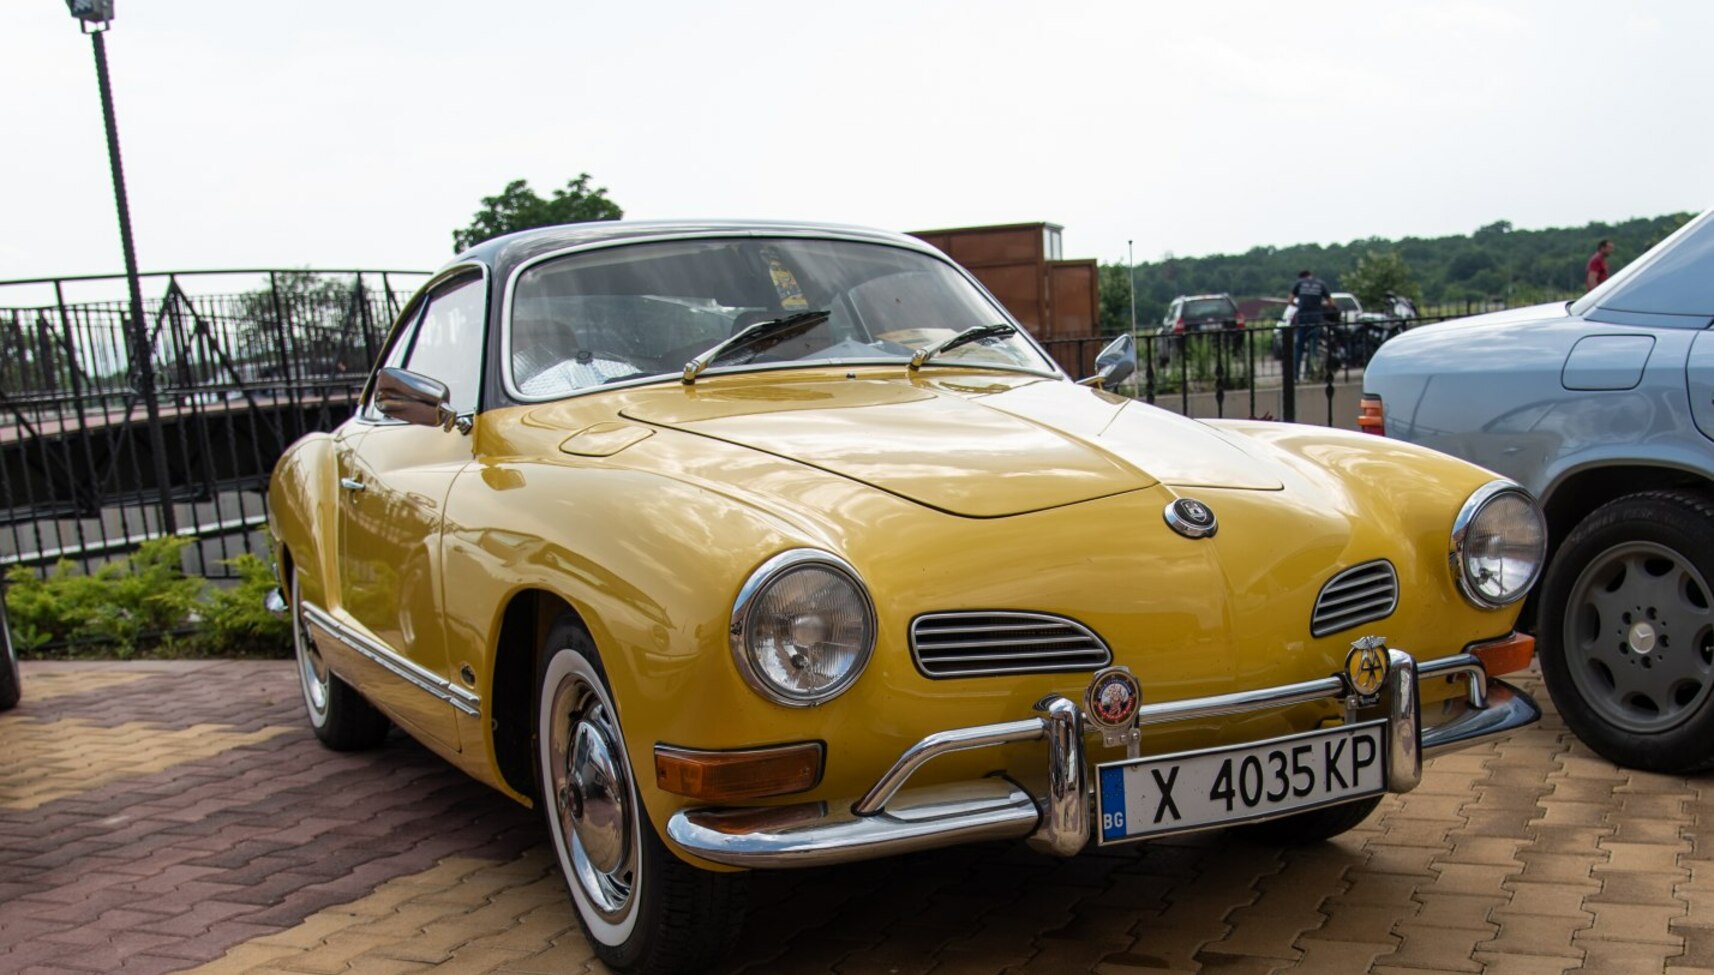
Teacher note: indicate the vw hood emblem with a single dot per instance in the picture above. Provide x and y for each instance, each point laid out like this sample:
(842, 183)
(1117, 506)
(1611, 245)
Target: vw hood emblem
(1191, 518)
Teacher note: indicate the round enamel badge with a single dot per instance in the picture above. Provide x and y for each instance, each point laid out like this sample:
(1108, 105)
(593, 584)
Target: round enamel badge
(1113, 698)
(1191, 518)
(1366, 665)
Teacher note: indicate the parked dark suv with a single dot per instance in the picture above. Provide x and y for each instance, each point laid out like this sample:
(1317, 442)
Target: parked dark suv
(1190, 315)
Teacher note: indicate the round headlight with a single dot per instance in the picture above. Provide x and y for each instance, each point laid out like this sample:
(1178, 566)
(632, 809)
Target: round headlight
(803, 628)
(1498, 544)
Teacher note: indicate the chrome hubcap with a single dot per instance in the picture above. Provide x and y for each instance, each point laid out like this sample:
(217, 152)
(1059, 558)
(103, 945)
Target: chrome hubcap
(1639, 637)
(592, 798)
(310, 666)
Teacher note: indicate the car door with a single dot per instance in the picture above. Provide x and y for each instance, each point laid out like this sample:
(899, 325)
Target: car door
(394, 481)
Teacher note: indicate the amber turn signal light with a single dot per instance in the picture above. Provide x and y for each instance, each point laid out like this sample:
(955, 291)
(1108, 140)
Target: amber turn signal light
(1505, 656)
(752, 773)
(1372, 416)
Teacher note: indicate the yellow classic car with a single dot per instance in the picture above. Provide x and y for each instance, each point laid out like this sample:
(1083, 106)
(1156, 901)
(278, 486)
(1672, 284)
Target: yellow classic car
(735, 546)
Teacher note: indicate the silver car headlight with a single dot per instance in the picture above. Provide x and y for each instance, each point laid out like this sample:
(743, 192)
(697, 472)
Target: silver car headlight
(803, 628)
(1498, 545)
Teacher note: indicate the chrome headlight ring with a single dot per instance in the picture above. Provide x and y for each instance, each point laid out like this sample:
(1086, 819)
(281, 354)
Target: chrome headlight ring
(819, 637)
(1495, 565)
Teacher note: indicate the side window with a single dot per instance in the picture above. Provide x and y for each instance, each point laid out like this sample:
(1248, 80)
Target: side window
(448, 342)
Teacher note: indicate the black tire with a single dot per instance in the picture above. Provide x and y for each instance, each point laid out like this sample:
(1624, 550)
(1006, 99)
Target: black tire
(11, 681)
(641, 907)
(342, 718)
(1304, 828)
(1627, 631)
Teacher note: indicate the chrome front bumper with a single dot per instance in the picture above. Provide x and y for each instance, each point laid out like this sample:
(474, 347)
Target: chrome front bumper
(891, 819)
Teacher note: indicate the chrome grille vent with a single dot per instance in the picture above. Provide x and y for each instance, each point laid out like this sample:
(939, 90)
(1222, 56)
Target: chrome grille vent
(1359, 594)
(1003, 642)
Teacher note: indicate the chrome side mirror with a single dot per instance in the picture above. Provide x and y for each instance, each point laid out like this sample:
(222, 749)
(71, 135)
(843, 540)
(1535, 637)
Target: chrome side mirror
(414, 398)
(1114, 364)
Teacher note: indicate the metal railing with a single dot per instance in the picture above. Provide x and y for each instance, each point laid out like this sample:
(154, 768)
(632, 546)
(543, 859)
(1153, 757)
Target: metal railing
(238, 376)
(1242, 372)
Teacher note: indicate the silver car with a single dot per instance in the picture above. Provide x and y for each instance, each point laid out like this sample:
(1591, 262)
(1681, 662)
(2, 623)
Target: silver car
(1604, 408)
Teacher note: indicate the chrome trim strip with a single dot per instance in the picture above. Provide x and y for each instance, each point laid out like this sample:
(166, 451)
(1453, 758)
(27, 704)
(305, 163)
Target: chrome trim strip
(1467, 665)
(467, 701)
(1404, 723)
(1010, 620)
(891, 819)
(1065, 824)
(1331, 614)
(816, 834)
(944, 743)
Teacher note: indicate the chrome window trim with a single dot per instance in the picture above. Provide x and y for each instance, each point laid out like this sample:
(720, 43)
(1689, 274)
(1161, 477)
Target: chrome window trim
(1473, 506)
(466, 701)
(412, 306)
(766, 573)
(505, 318)
(1018, 614)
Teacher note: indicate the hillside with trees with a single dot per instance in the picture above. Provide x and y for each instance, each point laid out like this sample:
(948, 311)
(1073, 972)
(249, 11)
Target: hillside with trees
(1496, 262)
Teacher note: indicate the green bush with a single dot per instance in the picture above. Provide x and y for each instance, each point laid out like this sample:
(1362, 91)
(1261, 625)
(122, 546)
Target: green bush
(145, 603)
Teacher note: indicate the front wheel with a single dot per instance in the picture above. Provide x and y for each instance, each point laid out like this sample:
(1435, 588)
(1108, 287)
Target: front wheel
(1627, 631)
(642, 908)
(342, 718)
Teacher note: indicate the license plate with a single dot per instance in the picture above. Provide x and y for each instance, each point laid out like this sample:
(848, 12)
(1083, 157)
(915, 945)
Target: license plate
(1223, 786)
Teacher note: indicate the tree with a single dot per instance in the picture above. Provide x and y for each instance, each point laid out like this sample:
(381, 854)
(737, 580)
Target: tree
(1115, 299)
(1378, 274)
(519, 208)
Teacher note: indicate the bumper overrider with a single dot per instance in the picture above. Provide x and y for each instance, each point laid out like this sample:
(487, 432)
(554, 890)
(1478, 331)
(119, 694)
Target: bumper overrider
(1378, 690)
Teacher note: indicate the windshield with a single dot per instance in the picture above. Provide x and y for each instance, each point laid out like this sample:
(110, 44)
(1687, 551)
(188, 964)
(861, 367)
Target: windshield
(641, 311)
(1347, 303)
(1209, 308)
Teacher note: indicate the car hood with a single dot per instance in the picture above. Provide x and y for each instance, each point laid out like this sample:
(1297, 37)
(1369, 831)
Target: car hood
(978, 446)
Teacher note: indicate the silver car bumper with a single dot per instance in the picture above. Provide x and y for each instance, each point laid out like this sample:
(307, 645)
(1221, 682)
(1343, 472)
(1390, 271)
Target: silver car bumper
(891, 819)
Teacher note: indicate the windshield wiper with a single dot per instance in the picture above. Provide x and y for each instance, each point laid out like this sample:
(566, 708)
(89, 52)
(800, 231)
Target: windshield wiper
(974, 334)
(758, 337)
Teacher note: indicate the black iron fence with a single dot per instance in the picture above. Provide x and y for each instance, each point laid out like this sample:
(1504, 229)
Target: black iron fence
(238, 375)
(1244, 373)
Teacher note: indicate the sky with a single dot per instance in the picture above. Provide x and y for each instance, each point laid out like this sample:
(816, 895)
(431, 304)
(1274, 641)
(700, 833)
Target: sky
(342, 133)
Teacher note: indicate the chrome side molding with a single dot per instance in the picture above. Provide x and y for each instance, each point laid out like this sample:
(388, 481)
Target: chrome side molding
(465, 700)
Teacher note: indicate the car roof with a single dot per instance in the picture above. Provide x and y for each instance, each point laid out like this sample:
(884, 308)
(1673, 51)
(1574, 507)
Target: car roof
(506, 252)
(1223, 294)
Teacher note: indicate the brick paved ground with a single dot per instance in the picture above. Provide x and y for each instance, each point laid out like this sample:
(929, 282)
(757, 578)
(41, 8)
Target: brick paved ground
(161, 817)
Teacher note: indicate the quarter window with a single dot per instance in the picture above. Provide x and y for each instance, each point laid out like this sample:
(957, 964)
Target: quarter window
(448, 343)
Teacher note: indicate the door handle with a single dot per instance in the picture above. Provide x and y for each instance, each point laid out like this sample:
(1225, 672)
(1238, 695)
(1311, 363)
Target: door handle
(352, 484)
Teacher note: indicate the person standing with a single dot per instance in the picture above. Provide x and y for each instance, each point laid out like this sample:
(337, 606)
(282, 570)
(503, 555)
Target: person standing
(1310, 296)
(1595, 271)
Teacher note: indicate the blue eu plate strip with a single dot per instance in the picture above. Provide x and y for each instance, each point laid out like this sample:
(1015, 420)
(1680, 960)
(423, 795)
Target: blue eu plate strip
(1112, 803)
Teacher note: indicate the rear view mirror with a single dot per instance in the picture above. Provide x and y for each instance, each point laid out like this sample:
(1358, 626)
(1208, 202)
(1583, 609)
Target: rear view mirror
(1114, 364)
(414, 398)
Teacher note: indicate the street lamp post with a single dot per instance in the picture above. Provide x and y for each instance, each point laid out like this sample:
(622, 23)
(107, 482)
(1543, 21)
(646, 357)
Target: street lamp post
(94, 16)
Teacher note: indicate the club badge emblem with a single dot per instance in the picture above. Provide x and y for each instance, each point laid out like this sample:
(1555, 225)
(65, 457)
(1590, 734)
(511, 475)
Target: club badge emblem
(1113, 698)
(1366, 665)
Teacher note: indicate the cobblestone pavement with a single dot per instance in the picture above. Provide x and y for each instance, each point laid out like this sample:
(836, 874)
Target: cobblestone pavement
(160, 817)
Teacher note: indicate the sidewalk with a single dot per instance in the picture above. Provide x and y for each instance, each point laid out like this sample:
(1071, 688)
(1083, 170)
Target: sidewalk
(159, 817)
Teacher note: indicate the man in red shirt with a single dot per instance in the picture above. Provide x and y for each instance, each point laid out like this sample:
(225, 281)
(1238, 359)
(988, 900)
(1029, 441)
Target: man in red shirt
(1596, 271)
